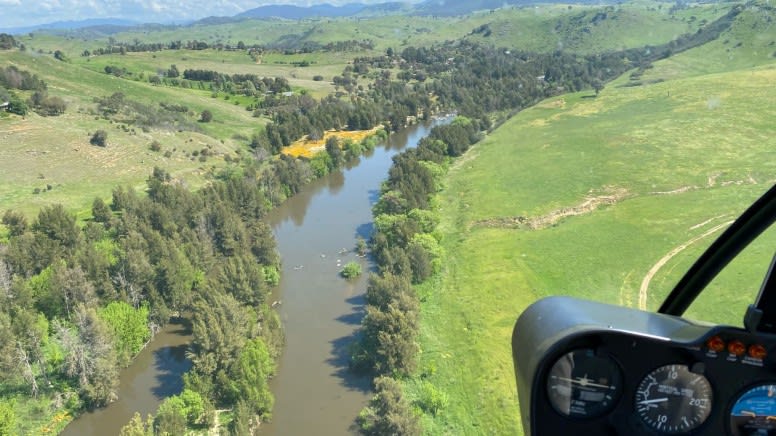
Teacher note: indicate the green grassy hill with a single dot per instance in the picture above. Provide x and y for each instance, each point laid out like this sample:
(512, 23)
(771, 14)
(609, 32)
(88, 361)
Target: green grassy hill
(66, 169)
(579, 28)
(593, 29)
(583, 196)
(53, 154)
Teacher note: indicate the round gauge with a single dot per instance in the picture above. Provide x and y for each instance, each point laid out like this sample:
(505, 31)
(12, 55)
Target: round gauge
(583, 385)
(754, 413)
(672, 399)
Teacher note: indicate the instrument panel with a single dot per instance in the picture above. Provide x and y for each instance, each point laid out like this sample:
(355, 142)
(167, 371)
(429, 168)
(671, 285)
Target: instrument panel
(597, 369)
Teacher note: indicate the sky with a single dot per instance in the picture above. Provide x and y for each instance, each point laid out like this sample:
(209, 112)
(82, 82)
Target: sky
(22, 13)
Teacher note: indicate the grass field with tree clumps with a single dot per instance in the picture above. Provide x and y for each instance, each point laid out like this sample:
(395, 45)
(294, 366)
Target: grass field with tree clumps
(585, 196)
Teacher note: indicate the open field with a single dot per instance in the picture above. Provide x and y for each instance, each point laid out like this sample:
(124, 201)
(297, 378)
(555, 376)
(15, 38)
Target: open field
(147, 64)
(53, 154)
(593, 29)
(615, 184)
(750, 42)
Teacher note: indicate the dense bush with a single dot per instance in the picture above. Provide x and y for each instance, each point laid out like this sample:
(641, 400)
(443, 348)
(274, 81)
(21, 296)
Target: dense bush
(99, 138)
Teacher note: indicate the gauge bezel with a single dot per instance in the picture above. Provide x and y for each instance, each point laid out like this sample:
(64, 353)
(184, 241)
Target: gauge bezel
(602, 407)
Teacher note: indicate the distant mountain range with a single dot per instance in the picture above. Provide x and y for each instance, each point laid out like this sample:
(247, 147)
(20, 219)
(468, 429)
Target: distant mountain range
(118, 23)
(291, 12)
(298, 12)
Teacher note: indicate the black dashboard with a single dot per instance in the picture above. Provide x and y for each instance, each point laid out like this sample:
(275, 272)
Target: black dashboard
(588, 368)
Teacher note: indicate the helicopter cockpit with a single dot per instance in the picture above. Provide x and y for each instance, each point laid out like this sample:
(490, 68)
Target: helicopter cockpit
(590, 368)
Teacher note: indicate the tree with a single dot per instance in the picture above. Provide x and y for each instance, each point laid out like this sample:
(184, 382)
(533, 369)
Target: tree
(99, 138)
(420, 260)
(100, 211)
(193, 406)
(220, 327)
(6, 43)
(89, 356)
(8, 362)
(382, 290)
(69, 288)
(598, 85)
(241, 422)
(206, 116)
(334, 151)
(171, 417)
(388, 412)
(129, 327)
(389, 335)
(173, 71)
(254, 368)
(15, 221)
(52, 106)
(18, 107)
(57, 224)
(136, 427)
(60, 56)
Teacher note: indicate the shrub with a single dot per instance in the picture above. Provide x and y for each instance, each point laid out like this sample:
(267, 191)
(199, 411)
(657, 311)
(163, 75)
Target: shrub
(432, 400)
(100, 138)
(351, 270)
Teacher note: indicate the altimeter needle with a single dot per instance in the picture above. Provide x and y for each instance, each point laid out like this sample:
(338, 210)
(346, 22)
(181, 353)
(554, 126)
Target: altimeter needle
(655, 400)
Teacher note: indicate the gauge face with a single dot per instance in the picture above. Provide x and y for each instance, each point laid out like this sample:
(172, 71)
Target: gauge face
(754, 413)
(583, 385)
(672, 399)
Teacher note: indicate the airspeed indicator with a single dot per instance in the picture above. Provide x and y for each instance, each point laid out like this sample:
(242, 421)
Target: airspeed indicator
(672, 399)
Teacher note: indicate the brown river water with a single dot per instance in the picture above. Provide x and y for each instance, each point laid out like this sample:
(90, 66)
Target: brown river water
(316, 232)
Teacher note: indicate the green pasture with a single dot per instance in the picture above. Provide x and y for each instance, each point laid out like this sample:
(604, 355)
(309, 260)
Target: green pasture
(578, 28)
(385, 31)
(52, 155)
(750, 42)
(593, 29)
(681, 157)
(143, 65)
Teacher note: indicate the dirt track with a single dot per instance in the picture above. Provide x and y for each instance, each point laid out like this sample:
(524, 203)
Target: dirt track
(644, 289)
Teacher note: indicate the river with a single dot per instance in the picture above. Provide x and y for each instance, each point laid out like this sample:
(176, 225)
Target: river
(316, 233)
(154, 374)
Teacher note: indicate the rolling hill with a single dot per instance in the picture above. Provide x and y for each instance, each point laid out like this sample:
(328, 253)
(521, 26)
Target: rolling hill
(611, 186)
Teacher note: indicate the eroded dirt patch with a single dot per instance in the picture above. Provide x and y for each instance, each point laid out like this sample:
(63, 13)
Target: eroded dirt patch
(611, 195)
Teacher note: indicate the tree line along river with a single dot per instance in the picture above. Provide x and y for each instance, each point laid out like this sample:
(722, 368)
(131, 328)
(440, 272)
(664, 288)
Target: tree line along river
(316, 232)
